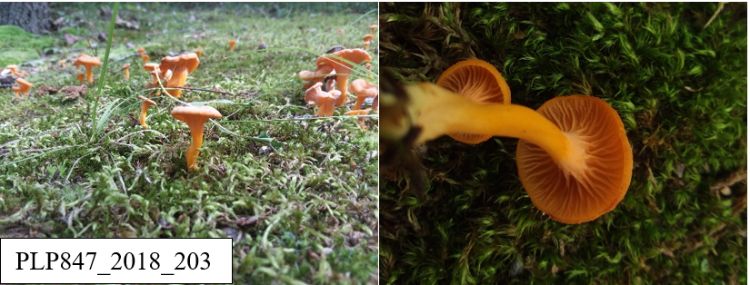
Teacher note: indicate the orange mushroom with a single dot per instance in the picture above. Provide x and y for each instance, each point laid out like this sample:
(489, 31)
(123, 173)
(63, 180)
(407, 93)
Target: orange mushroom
(373, 28)
(195, 117)
(154, 71)
(126, 71)
(88, 62)
(325, 101)
(147, 103)
(479, 81)
(144, 56)
(367, 39)
(199, 52)
(574, 158)
(23, 87)
(342, 62)
(312, 77)
(180, 67)
(232, 44)
(363, 90)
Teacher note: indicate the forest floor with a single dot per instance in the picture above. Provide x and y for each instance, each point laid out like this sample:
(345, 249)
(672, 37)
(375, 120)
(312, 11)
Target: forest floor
(676, 74)
(298, 194)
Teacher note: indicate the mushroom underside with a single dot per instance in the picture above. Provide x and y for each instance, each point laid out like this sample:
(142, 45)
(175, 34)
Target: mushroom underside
(596, 129)
(478, 81)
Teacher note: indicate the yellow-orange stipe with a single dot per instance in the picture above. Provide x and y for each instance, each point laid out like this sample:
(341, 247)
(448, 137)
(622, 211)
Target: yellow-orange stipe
(479, 81)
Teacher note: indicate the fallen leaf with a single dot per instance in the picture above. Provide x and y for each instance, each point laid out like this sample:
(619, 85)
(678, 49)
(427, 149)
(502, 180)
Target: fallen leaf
(73, 92)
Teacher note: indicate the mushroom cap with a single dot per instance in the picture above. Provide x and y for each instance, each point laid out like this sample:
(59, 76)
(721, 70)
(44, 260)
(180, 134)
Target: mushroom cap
(126, 66)
(151, 66)
(189, 61)
(141, 50)
(343, 59)
(368, 37)
(23, 82)
(479, 81)
(360, 86)
(87, 60)
(191, 113)
(594, 127)
(146, 100)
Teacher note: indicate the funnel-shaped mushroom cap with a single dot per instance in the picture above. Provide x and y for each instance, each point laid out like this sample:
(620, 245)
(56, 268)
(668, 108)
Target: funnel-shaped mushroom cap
(151, 66)
(87, 60)
(598, 137)
(195, 114)
(188, 61)
(343, 60)
(368, 37)
(479, 81)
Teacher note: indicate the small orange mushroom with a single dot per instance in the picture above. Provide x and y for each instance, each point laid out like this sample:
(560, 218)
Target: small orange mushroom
(199, 52)
(195, 117)
(479, 81)
(325, 101)
(147, 103)
(573, 157)
(342, 62)
(23, 87)
(180, 67)
(368, 39)
(232, 44)
(126, 71)
(88, 62)
(154, 71)
(363, 90)
(373, 28)
(312, 77)
(144, 56)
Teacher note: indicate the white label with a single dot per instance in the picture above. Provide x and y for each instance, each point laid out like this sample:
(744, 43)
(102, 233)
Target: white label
(115, 261)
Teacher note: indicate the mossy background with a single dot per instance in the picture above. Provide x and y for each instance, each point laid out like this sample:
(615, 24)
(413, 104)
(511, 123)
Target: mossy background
(677, 79)
(298, 194)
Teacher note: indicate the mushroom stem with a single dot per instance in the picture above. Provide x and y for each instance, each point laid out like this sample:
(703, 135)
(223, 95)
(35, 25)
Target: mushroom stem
(341, 85)
(144, 113)
(89, 75)
(196, 132)
(439, 112)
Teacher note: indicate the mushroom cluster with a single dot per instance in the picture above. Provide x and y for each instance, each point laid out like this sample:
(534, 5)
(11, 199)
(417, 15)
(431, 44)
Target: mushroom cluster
(172, 74)
(573, 155)
(327, 87)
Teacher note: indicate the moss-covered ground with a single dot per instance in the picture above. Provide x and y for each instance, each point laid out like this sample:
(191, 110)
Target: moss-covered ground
(297, 194)
(676, 73)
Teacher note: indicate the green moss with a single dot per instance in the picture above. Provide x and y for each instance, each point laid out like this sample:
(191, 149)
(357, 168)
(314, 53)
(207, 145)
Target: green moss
(681, 91)
(17, 45)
